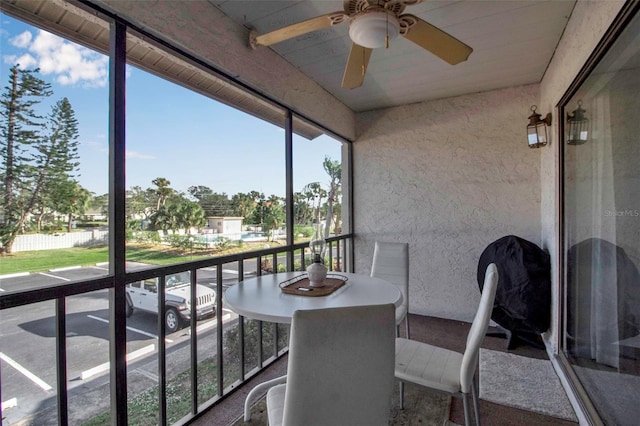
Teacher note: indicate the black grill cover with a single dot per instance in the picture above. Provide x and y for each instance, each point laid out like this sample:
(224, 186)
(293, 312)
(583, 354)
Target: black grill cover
(523, 296)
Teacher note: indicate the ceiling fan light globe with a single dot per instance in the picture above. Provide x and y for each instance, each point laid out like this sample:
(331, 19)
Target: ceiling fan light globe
(372, 28)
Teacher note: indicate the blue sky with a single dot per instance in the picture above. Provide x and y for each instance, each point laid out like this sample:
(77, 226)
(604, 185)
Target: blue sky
(171, 132)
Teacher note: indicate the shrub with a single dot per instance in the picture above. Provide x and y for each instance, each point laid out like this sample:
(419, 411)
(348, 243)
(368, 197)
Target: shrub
(147, 237)
(304, 230)
(183, 242)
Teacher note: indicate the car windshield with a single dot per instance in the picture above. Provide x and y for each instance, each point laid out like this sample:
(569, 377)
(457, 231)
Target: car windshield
(178, 280)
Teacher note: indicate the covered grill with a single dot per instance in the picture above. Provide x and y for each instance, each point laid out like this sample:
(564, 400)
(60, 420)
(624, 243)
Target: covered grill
(523, 299)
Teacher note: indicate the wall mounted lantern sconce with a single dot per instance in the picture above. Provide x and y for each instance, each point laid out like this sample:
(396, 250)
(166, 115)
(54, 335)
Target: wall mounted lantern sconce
(577, 126)
(537, 128)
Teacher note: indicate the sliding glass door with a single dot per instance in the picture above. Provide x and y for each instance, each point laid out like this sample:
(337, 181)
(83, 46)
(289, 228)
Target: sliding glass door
(601, 158)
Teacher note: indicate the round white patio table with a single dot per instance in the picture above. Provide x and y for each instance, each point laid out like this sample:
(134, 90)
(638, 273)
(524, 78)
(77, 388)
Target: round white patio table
(261, 298)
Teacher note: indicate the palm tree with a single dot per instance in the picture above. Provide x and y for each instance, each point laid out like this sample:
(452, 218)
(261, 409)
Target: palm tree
(243, 204)
(179, 213)
(274, 214)
(72, 199)
(316, 193)
(192, 215)
(334, 170)
(163, 191)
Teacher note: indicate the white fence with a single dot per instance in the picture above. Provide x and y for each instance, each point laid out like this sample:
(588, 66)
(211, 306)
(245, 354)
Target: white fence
(58, 241)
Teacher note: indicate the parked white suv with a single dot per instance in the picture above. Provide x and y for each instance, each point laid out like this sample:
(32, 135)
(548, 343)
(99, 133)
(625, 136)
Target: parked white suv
(143, 295)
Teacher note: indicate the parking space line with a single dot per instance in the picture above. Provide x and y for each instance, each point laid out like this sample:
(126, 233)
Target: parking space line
(68, 268)
(99, 267)
(212, 323)
(135, 330)
(54, 276)
(13, 402)
(1, 290)
(105, 366)
(28, 374)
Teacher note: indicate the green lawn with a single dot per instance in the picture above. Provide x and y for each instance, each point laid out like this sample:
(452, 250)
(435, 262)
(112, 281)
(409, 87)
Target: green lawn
(45, 260)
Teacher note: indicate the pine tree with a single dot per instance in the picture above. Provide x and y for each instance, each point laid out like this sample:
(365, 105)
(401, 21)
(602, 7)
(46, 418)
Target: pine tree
(20, 130)
(55, 159)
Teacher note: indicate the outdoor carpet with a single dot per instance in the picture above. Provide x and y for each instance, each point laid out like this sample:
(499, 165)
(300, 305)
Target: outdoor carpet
(522, 382)
(422, 408)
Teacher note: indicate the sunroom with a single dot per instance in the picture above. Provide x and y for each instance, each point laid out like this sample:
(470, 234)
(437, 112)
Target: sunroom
(427, 153)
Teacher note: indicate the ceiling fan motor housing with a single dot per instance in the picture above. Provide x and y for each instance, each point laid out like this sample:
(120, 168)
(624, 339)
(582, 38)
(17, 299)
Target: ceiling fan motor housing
(374, 28)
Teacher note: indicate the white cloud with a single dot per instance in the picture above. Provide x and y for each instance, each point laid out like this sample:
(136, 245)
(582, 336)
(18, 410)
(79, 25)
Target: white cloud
(25, 61)
(103, 148)
(70, 63)
(139, 156)
(22, 40)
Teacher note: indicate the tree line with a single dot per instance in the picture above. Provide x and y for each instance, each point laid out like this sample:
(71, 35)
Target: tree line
(40, 169)
(162, 208)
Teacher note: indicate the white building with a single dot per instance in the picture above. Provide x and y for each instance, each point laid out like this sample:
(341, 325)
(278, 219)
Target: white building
(224, 224)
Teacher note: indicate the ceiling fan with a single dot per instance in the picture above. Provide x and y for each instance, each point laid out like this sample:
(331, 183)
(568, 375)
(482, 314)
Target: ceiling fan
(372, 24)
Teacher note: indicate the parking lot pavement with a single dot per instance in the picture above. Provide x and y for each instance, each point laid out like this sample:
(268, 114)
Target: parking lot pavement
(28, 381)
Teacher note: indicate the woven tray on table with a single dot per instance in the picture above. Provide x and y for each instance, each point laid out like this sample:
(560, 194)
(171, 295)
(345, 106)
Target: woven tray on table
(300, 285)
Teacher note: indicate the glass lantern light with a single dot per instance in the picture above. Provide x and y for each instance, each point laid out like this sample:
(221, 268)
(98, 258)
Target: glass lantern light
(537, 129)
(577, 126)
(317, 272)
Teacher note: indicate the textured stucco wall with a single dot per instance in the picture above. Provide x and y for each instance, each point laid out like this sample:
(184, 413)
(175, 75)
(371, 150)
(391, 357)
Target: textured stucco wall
(587, 25)
(448, 177)
(202, 29)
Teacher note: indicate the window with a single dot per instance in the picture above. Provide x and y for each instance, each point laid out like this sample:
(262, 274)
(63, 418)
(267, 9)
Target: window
(601, 338)
(317, 192)
(53, 216)
(188, 152)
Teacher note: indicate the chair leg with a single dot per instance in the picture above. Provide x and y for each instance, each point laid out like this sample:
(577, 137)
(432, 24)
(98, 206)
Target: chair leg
(467, 414)
(401, 395)
(406, 324)
(406, 320)
(476, 401)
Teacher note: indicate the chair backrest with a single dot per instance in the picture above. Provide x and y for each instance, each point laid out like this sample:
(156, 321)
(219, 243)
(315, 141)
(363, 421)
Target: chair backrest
(479, 327)
(341, 366)
(391, 263)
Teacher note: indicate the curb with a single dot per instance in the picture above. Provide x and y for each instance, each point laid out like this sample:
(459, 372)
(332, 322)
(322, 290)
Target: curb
(17, 274)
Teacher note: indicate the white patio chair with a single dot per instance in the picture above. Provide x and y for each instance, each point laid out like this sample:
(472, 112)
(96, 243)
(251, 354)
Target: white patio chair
(340, 368)
(449, 371)
(391, 263)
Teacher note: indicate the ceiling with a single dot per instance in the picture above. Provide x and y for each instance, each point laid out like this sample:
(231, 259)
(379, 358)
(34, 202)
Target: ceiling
(513, 43)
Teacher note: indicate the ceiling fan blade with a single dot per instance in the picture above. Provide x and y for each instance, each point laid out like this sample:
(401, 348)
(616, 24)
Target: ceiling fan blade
(436, 41)
(356, 66)
(300, 28)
